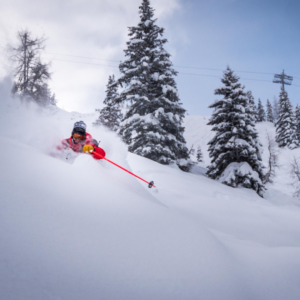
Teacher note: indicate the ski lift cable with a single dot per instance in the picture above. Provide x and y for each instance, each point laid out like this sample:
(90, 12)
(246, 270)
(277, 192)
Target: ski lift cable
(193, 74)
(186, 67)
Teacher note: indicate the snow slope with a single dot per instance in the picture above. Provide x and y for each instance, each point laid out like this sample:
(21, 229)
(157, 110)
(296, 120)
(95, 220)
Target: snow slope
(82, 229)
(198, 133)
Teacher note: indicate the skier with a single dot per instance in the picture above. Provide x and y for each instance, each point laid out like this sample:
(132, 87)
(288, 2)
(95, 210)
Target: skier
(81, 141)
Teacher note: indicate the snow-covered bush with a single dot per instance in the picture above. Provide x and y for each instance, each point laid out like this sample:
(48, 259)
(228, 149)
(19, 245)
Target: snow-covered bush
(241, 174)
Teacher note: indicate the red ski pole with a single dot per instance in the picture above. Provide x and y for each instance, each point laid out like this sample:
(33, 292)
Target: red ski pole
(150, 184)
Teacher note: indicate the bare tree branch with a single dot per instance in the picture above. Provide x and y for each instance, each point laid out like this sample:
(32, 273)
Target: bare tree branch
(273, 159)
(25, 56)
(31, 75)
(295, 173)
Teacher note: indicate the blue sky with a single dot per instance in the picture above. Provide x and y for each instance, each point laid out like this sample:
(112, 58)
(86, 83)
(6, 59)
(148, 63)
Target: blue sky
(251, 36)
(254, 36)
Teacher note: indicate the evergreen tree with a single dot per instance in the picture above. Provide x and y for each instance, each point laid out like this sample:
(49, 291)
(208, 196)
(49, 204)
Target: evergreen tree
(285, 125)
(261, 114)
(110, 115)
(31, 75)
(252, 105)
(234, 150)
(199, 154)
(53, 100)
(192, 151)
(275, 109)
(152, 127)
(297, 123)
(43, 95)
(270, 115)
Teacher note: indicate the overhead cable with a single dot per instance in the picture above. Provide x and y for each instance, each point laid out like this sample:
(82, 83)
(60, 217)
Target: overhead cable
(193, 74)
(186, 67)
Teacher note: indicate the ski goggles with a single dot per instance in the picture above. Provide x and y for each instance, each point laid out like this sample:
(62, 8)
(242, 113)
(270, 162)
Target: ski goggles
(77, 136)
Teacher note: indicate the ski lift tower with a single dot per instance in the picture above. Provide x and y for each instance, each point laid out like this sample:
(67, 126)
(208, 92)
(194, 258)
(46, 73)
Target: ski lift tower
(283, 79)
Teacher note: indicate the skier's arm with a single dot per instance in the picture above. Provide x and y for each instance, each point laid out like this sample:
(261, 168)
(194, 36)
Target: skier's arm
(89, 148)
(95, 143)
(99, 151)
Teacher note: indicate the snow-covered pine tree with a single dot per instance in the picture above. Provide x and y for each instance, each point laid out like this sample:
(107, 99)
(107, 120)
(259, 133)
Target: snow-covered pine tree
(199, 154)
(192, 151)
(53, 100)
(43, 95)
(236, 159)
(252, 105)
(297, 124)
(261, 114)
(275, 109)
(110, 115)
(270, 115)
(152, 127)
(285, 125)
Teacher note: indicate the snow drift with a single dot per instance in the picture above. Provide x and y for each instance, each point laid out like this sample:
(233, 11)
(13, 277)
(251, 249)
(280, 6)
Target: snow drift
(87, 230)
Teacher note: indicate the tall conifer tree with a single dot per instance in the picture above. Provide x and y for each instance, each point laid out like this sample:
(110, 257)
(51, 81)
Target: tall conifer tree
(234, 150)
(285, 125)
(152, 127)
(110, 115)
(297, 121)
(275, 109)
(252, 105)
(199, 154)
(270, 114)
(261, 114)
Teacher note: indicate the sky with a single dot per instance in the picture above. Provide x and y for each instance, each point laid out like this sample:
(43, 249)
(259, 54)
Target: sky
(86, 39)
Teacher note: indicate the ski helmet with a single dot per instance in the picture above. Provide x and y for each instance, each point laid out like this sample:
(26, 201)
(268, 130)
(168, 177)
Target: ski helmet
(79, 127)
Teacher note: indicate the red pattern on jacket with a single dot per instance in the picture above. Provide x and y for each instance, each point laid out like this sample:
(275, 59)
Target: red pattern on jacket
(69, 143)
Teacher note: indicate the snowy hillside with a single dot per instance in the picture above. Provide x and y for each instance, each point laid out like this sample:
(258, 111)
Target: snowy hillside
(199, 134)
(83, 229)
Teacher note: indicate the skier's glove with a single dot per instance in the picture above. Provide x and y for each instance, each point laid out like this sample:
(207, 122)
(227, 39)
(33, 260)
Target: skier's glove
(88, 148)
